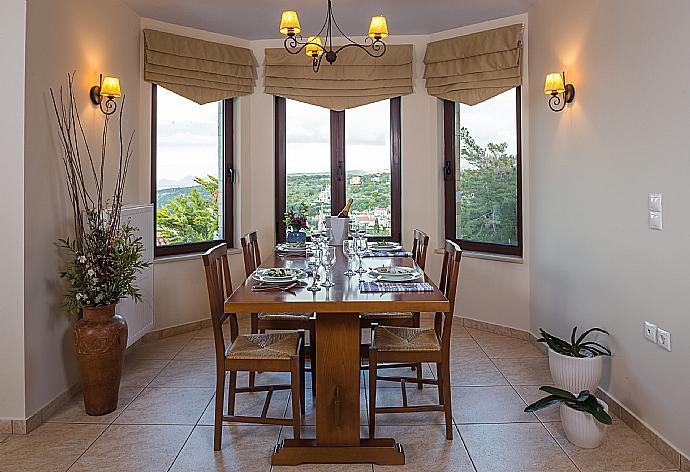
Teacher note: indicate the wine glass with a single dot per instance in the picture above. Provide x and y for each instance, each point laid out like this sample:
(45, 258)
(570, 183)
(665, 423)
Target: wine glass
(361, 247)
(353, 228)
(327, 261)
(327, 236)
(313, 255)
(350, 250)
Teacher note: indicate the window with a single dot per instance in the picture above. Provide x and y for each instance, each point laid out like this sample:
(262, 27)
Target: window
(324, 157)
(192, 173)
(482, 173)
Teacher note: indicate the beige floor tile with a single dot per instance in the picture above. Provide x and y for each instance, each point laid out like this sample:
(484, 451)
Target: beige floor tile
(3, 437)
(527, 371)
(393, 397)
(310, 432)
(516, 447)
(530, 394)
(427, 373)
(499, 404)
(140, 372)
(198, 349)
(167, 406)
(73, 411)
(250, 404)
(187, 373)
(480, 372)
(426, 448)
(51, 447)
(134, 448)
(309, 419)
(164, 348)
(622, 451)
(244, 448)
(497, 346)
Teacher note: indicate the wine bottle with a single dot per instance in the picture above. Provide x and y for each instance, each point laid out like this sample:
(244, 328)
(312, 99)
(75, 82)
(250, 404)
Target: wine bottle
(345, 211)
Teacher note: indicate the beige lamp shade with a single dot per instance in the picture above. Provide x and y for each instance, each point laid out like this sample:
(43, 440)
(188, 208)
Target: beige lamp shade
(110, 87)
(378, 29)
(289, 23)
(554, 84)
(313, 48)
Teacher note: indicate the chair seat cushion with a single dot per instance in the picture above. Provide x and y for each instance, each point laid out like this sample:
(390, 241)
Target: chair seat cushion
(274, 346)
(284, 316)
(387, 315)
(393, 338)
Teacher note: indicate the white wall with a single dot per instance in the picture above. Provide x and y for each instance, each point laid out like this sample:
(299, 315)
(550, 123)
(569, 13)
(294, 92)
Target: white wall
(422, 197)
(63, 37)
(594, 261)
(12, 44)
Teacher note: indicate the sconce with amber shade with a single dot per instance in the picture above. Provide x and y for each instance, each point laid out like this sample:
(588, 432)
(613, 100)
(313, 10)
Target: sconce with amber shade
(108, 87)
(555, 86)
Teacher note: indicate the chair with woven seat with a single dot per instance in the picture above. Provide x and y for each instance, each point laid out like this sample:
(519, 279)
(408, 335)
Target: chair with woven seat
(260, 322)
(400, 344)
(275, 352)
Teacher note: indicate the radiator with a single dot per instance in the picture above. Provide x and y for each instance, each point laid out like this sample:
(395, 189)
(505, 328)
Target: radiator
(139, 316)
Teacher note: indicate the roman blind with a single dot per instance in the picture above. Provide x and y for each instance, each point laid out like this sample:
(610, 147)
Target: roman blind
(355, 78)
(473, 68)
(202, 71)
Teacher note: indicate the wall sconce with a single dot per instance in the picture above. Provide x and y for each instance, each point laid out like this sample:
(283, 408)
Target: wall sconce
(556, 85)
(108, 87)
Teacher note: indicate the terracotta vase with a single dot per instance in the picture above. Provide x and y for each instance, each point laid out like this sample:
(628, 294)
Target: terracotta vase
(100, 339)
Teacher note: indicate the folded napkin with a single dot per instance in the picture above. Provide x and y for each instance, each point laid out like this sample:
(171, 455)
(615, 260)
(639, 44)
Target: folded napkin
(372, 253)
(379, 287)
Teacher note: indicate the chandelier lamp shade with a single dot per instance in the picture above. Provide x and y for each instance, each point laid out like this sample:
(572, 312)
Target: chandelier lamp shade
(556, 86)
(317, 49)
(108, 88)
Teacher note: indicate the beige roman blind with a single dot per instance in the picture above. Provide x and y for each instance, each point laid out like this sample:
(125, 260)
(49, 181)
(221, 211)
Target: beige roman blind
(354, 79)
(473, 68)
(201, 71)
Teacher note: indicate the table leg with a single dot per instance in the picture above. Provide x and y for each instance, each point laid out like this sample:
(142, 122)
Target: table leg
(337, 404)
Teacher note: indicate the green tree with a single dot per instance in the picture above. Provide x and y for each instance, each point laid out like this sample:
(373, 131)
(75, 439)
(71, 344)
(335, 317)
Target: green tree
(488, 192)
(192, 217)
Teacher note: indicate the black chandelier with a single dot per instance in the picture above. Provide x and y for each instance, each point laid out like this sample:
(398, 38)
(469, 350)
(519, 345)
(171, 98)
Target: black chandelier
(316, 50)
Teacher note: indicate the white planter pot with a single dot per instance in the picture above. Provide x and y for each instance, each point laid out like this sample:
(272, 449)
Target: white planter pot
(581, 428)
(575, 374)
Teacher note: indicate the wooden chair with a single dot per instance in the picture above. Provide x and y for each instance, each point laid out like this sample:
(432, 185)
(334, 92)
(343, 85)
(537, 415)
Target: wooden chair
(260, 322)
(409, 319)
(416, 345)
(276, 352)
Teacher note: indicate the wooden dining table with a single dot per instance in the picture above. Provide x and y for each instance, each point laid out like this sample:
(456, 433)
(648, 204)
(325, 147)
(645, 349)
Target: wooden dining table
(337, 310)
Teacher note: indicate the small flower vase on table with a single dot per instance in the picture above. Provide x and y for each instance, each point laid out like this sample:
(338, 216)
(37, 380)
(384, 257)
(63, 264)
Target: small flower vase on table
(296, 221)
(296, 235)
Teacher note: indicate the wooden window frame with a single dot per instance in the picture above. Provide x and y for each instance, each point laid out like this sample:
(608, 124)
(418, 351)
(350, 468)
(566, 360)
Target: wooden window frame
(339, 167)
(227, 182)
(449, 175)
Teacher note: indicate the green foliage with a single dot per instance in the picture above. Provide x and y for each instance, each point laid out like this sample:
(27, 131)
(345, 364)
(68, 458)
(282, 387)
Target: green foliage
(192, 217)
(585, 402)
(488, 193)
(576, 347)
(104, 267)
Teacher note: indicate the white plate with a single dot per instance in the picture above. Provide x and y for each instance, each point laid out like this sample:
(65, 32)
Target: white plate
(289, 275)
(387, 278)
(394, 271)
(385, 247)
(291, 247)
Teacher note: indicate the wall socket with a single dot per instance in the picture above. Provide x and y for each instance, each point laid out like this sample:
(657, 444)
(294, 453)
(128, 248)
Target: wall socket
(663, 339)
(650, 331)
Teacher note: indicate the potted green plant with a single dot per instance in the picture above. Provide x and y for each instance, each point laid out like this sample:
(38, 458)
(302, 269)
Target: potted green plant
(576, 365)
(584, 418)
(296, 222)
(104, 256)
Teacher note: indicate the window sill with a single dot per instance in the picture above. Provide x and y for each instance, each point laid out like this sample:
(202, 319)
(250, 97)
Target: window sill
(489, 257)
(188, 257)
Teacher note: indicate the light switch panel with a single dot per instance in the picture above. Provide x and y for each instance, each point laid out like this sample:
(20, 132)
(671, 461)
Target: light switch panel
(655, 202)
(655, 220)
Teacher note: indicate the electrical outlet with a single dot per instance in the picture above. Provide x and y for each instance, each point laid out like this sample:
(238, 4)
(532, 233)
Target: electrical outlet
(650, 331)
(663, 339)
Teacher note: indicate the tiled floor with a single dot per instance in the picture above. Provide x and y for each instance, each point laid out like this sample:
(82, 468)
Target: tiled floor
(165, 420)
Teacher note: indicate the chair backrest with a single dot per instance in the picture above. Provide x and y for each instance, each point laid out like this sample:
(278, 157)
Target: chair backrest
(219, 289)
(419, 246)
(450, 271)
(250, 250)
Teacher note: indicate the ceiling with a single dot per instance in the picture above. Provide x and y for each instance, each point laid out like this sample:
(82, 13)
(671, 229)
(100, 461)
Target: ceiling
(259, 19)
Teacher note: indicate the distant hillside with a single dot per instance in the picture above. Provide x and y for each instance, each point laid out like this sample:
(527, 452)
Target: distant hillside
(164, 195)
